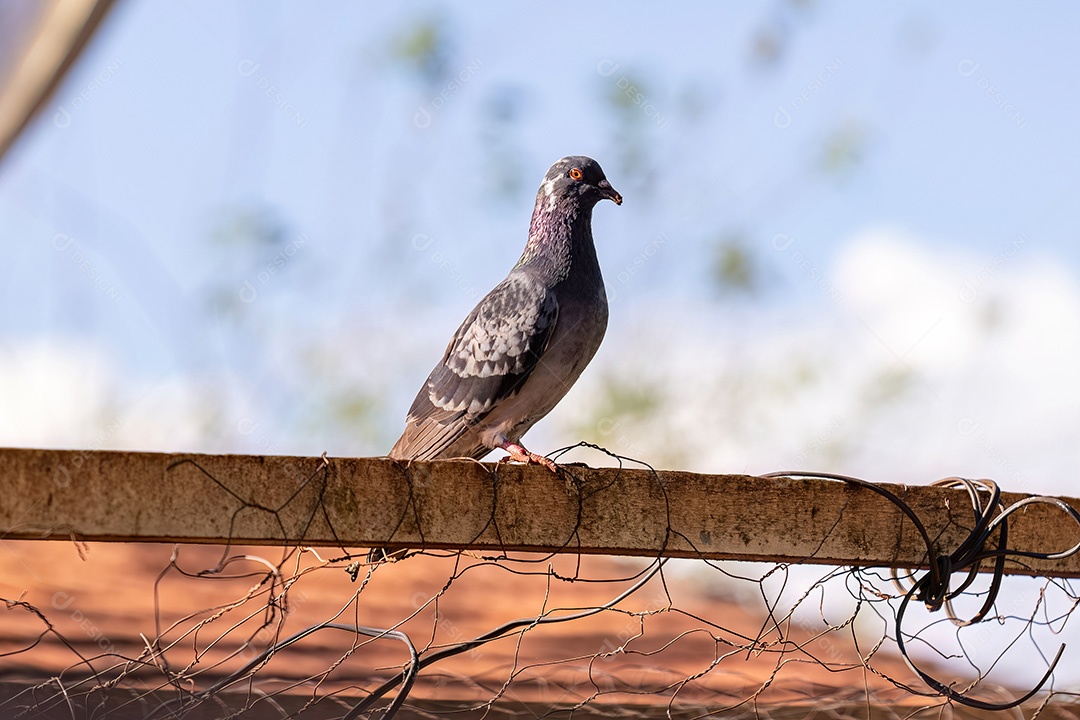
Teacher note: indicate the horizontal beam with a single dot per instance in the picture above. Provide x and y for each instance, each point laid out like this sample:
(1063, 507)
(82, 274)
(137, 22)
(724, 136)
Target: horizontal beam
(364, 502)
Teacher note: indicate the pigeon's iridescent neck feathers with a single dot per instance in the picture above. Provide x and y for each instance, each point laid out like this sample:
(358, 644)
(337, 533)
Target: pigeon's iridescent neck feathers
(561, 227)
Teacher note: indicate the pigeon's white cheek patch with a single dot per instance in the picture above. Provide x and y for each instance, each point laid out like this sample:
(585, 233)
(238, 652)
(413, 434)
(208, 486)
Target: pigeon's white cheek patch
(549, 193)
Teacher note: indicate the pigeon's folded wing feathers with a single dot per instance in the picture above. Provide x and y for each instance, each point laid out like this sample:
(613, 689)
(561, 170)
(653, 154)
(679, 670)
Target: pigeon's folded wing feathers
(491, 354)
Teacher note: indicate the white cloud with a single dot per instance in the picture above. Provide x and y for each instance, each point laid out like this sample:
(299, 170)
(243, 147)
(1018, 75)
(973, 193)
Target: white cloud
(63, 392)
(52, 392)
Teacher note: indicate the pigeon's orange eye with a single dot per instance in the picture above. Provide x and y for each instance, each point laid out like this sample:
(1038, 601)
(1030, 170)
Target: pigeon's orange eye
(576, 174)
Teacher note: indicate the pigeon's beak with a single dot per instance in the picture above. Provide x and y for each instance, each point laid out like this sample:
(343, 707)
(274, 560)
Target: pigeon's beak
(609, 192)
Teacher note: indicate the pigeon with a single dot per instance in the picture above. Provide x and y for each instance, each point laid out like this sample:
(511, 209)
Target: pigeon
(525, 344)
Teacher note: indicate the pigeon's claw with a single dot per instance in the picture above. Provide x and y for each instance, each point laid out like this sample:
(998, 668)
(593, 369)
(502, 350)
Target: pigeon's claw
(519, 454)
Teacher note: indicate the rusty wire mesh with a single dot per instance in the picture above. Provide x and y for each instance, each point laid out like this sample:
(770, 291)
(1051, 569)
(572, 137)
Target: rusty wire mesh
(346, 633)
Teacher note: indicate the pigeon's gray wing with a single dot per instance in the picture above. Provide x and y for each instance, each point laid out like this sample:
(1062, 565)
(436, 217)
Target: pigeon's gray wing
(489, 358)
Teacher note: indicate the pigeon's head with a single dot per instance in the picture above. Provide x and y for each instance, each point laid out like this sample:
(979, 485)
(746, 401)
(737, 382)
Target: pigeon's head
(579, 180)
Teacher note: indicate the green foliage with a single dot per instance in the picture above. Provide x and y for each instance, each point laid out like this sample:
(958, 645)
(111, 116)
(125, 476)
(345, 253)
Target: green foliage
(503, 110)
(623, 405)
(628, 419)
(424, 48)
(889, 386)
(733, 269)
(242, 239)
(626, 97)
(348, 415)
(845, 149)
(247, 226)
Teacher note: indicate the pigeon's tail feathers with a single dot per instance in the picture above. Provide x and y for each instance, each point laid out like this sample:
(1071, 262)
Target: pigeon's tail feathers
(429, 439)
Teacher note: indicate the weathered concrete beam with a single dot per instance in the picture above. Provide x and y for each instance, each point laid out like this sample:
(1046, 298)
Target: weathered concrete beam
(360, 502)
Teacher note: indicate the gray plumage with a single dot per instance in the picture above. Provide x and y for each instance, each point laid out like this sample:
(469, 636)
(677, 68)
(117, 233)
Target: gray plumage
(525, 344)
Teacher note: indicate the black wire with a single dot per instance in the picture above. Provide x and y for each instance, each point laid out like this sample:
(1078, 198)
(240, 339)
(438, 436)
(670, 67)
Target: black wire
(495, 634)
(406, 680)
(932, 588)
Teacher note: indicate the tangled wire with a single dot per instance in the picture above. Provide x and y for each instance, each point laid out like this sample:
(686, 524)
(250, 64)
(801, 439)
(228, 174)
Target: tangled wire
(933, 588)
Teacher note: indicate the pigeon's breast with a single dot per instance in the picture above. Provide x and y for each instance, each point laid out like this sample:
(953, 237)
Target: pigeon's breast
(578, 333)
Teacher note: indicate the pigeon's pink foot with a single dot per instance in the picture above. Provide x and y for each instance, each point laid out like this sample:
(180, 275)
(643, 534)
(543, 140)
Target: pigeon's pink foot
(521, 455)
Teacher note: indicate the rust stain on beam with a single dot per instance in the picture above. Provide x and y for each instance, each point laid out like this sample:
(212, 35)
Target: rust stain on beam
(361, 502)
